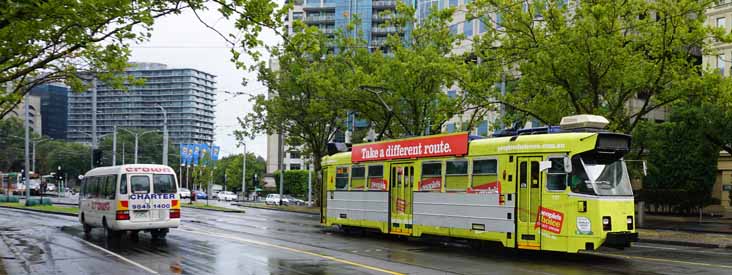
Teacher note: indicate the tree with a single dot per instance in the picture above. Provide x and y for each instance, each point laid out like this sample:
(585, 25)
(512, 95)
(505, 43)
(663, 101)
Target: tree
(619, 59)
(232, 166)
(74, 158)
(296, 183)
(304, 89)
(11, 144)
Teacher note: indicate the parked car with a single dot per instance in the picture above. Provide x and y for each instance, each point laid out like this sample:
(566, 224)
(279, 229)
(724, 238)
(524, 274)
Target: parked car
(226, 196)
(201, 195)
(50, 187)
(35, 187)
(294, 201)
(184, 193)
(274, 199)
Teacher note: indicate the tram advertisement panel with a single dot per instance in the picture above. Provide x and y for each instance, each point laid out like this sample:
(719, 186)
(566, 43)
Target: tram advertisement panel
(433, 146)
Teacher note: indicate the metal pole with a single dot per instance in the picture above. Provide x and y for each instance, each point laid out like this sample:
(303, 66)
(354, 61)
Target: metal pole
(136, 139)
(114, 146)
(310, 185)
(244, 173)
(27, 149)
(94, 113)
(34, 155)
(123, 154)
(165, 135)
(280, 155)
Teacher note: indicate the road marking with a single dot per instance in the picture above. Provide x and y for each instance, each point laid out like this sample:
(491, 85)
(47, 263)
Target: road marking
(658, 260)
(680, 249)
(117, 255)
(297, 251)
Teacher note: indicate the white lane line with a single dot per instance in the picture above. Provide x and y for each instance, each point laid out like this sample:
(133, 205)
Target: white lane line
(681, 249)
(118, 256)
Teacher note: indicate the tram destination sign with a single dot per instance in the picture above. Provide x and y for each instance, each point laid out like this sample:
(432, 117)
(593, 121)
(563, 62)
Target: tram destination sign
(432, 146)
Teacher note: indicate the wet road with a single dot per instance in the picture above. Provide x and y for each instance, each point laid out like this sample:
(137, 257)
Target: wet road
(273, 242)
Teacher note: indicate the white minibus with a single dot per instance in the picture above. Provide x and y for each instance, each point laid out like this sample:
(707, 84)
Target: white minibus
(136, 197)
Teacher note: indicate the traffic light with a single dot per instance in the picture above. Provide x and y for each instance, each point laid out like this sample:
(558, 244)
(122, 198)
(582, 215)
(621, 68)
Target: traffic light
(22, 175)
(59, 173)
(97, 158)
(254, 180)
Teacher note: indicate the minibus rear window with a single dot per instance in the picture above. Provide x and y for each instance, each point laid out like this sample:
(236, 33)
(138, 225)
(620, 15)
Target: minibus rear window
(140, 184)
(164, 184)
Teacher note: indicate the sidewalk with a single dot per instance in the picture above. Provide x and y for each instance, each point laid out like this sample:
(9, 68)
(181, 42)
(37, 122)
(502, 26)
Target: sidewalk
(288, 208)
(716, 225)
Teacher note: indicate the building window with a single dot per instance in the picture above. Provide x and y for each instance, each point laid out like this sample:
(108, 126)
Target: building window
(294, 154)
(483, 128)
(721, 22)
(453, 3)
(451, 94)
(431, 177)
(499, 20)
(358, 177)
(468, 28)
(295, 166)
(456, 175)
(483, 27)
(720, 63)
(453, 29)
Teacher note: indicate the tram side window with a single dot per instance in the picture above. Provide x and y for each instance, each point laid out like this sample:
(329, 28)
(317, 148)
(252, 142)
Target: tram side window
(376, 178)
(431, 177)
(358, 177)
(485, 175)
(556, 177)
(456, 175)
(341, 178)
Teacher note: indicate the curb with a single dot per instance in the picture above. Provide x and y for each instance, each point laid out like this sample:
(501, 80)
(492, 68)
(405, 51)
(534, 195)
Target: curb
(42, 211)
(683, 243)
(686, 230)
(66, 203)
(277, 209)
(218, 210)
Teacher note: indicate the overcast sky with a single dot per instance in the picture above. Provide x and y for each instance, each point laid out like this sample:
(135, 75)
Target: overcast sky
(181, 41)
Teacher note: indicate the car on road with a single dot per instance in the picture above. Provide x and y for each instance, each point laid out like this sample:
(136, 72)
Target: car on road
(200, 195)
(35, 187)
(226, 196)
(274, 199)
(294, 201)
(184, 193)
(50, 187)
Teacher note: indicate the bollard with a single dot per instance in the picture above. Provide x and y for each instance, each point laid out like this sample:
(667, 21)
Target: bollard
(641, 213)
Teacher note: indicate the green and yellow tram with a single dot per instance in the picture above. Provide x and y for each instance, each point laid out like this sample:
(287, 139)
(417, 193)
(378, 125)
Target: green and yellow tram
(561, 188)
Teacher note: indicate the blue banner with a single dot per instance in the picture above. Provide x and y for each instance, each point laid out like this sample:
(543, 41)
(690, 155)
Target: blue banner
(189, 154)
(215, 154)
(183, 154)
(196, 153)
(205, 154)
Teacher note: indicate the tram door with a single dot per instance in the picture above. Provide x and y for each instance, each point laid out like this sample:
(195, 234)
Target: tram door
(529, 201)
(400, 197)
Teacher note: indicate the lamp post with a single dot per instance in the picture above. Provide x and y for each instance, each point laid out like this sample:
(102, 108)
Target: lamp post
(165, 134)
(244, 172)
(27, 141)
(137, 138)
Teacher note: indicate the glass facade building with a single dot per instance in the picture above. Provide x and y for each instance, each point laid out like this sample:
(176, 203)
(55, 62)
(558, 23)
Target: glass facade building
(54, 109)
(186, 94)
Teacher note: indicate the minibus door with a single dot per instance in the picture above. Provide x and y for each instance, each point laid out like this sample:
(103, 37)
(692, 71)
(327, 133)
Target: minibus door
(529, 201)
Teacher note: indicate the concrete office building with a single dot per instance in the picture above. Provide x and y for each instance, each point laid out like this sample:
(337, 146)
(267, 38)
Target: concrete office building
(186, 94)
(54, 109)
(720, 15)
(35, 118)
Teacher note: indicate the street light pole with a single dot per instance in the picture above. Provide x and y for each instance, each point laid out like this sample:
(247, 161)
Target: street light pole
(244, 172)
(137, 138)
(165, 134)
(280, 155)
(94, 114)
(27, 144)
(114, 146)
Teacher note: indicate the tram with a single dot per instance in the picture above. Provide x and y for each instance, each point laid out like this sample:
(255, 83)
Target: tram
(562, 188)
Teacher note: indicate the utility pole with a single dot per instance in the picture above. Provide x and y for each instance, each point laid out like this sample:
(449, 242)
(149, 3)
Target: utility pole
(114, 146)
(165, 134)
(27, 153)
(244, 173)
(310, 184)
(280, 155)
(123, 154)
(94, 118)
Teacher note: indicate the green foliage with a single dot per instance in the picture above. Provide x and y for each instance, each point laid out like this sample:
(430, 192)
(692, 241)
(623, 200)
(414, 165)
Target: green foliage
(682, 163)
(296, 183)
(11, 144)
(232, 166)
(596, 57)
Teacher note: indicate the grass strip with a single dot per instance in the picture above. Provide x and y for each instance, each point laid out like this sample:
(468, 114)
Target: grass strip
(199, 205)
(44, 208)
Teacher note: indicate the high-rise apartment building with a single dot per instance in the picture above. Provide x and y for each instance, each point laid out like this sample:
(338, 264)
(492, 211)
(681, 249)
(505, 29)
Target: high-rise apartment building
(54, 109)
(187, 95)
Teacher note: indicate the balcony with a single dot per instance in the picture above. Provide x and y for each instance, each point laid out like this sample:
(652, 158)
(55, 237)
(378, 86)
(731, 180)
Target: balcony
(381, 18)
(316, 6)
(319, 19)
(385, 30)
(383, 4)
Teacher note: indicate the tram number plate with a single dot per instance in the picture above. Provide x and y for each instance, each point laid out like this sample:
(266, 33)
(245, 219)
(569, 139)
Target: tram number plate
(141, 214)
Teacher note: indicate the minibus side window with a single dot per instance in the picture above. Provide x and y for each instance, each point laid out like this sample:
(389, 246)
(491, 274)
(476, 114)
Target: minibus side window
(140, 184)
(123, 184)
(111, 187)
(164, 184)
(97, 187)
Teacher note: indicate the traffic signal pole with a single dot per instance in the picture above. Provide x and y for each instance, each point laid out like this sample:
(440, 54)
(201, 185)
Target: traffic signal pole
(27, 151)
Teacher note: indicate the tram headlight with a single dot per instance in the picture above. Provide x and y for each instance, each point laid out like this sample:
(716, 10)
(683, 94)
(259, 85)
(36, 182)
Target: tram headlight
(606, 223)
(630, 222)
